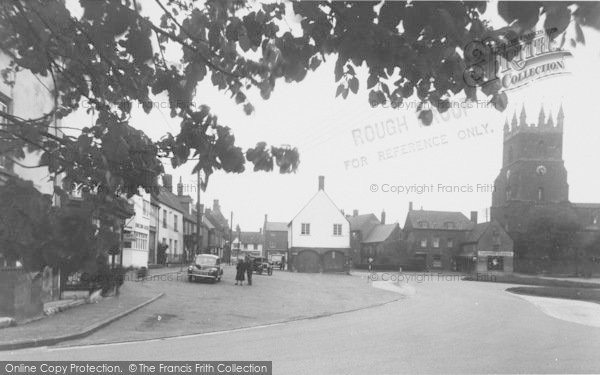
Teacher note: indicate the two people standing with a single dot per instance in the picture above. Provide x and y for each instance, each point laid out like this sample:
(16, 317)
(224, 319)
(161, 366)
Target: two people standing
(244, 266)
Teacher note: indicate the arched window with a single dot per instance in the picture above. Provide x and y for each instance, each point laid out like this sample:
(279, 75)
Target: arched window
(540, 194)
(508, 193)
(541, 149)
(511, 155)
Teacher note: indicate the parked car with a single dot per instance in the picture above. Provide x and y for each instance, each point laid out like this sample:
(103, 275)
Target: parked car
(276, 260)
(262, 265)
(205, 267)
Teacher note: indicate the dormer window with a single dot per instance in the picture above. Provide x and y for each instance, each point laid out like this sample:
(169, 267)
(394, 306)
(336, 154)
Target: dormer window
(423, 224)
(449, 225)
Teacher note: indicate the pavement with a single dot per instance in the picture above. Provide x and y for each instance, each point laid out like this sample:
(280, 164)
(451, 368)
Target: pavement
(446, 326)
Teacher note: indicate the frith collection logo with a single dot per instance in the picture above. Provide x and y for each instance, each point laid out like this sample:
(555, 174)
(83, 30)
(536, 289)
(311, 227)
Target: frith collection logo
(515, 63)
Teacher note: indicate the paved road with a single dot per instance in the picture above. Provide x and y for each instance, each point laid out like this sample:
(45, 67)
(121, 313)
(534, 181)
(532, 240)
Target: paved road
(444, 327)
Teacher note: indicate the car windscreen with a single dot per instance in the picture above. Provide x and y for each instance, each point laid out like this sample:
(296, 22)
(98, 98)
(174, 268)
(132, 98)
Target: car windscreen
(206, 261)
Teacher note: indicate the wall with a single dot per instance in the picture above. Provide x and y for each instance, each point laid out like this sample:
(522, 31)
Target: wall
(135, 255)
(321, 213)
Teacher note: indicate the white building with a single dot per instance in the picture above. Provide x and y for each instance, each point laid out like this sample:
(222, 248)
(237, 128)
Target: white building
(170, 221)
(136, 241)
(319, 235)
(29, 97)
(248, 243)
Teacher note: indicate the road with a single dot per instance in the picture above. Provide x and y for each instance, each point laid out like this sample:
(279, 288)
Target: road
(446, 326)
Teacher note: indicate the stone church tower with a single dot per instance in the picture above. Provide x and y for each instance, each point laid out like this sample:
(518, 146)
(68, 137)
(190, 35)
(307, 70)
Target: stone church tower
(533, 171)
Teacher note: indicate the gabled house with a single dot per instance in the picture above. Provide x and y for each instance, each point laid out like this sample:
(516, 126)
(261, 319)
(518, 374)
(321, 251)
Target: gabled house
(136, 232)
(487, 249)
(372, 238)
(248, 243)
(275, 238)
(434, 237)
(219, 234)
(319, 236)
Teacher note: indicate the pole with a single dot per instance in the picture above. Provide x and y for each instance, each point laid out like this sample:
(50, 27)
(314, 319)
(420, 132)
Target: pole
(198, 217)
(230, 237)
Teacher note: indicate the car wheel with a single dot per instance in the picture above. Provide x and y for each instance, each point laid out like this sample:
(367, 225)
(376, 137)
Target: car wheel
(270, 272)
(212, 281)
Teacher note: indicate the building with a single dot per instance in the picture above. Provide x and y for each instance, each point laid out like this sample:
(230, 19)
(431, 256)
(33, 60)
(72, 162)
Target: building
(170, 221)
(218, 231)
(249, 243)
(29, 97)
(434, 237)
(152, 231)
(275, 238)
(319, 236)
(136, 233)
(374, 239)
(533, 178)
(487, 249)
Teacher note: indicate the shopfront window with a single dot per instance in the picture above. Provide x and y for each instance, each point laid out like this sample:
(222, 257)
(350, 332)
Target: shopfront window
(495, 263)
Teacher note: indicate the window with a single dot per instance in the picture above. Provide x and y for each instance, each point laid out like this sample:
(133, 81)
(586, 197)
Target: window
(540, 194)
(255, 246)
(245, 246)
(337, 229)
(175, 223)
(496, 248)
(164, 218)
(164, 241)
(436, 242)
(508, 193)
(450, 242)
(141, 241)
(170, 246)
(437, 261)
(175, 248)
(272, 244)
(596, 219)
(423, 224)
(145, 208)
(449, 225)
(3, 121)
(495, 263)
(305, 229)
(424, 242)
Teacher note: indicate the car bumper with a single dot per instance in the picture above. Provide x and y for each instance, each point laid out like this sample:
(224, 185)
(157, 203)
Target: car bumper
(195, 275)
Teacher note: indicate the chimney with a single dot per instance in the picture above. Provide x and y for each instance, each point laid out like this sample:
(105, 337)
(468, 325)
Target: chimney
(216, 206)
(168, 182)
(201, 209)
(355, 213)
(260, 230)
(382, 217)
(474, 217)
(410, 206)
(321, 182)
(180, 187)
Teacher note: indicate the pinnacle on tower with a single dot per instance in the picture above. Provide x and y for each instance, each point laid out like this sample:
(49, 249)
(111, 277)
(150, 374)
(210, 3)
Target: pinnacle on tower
(513, 123)
(560, 118)
(550, 122)
(523, 117)
(506, 128)
(541, 118)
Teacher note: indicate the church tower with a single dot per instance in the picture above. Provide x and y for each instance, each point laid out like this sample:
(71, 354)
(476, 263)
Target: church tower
(533, 171)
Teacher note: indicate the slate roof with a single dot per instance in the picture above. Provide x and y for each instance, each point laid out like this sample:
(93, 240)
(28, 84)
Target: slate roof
(251, 237)
(380, 233)
(437, 219)
(363, 223)
(276, 226)
(477, 231)
(167, 198)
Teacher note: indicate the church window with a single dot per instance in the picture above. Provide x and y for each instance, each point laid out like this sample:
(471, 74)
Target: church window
(511, 155)
(541, 149)
(540, 194)
(508, 193)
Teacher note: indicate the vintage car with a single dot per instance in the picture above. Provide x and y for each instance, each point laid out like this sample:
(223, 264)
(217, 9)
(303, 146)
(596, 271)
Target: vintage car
(262, 265)
(205, 267)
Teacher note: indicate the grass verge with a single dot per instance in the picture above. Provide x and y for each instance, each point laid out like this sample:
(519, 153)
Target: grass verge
(533, 281)
(582, 294)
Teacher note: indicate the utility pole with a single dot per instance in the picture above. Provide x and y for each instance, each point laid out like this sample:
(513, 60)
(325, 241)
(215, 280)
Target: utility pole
(198, 217)
(230, 237)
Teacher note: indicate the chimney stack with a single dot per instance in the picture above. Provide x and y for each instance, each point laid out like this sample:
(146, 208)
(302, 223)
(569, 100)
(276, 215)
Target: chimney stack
(355, 213)
(216, 206)
(180, 188)
(201, 208)
(410, 206)
(383, 217)
(168, 182)
(321, 182)
(474, 217)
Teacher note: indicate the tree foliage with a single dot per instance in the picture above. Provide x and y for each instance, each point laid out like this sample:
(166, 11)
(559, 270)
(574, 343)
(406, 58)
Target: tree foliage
(552, 233)
(112, 57)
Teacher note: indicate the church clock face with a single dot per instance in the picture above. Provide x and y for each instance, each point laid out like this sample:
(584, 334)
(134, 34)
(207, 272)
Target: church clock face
(541, 170)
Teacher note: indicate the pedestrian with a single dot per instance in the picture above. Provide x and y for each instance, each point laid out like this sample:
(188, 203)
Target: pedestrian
(240, 269)
(249, 270)
(282, 265)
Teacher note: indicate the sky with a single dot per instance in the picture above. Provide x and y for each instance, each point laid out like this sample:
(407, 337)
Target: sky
(335, 139)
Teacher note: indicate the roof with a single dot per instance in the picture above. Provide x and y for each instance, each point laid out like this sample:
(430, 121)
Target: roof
(167, 198)
(586, 205)
(437, 219)
(276, 226)
(363, 223)
(310, 201)
(217, 219)
(477, 231)
(380, 233)
(251, 237)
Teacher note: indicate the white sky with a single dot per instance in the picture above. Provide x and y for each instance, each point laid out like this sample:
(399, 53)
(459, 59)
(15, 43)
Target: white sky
(308, 116)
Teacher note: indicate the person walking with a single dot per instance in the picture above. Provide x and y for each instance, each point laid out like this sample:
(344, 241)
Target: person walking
(282, 265)
(249, 270)
(240, 269)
